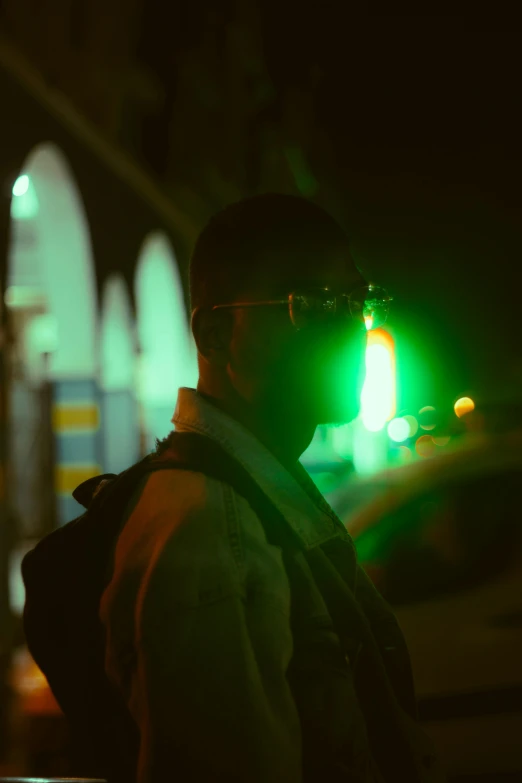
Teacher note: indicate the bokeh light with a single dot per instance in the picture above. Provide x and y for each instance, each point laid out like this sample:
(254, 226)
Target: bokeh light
(425, 446)
(442, 441)
(427, 417)
(399, 430)
(405, 453)
(413, 424)
(464, 405)
(21, 185)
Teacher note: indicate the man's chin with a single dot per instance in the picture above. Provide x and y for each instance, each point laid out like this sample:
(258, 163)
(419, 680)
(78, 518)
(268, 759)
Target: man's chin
(335, 414)
(338, 420)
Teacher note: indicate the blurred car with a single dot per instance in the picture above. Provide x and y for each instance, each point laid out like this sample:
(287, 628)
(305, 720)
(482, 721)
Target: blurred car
(442, 540)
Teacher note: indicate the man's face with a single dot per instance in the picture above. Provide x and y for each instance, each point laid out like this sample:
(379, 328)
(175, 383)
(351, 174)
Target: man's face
(315, 372)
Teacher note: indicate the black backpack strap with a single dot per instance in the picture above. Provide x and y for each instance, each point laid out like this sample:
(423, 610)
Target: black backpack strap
(87, 490)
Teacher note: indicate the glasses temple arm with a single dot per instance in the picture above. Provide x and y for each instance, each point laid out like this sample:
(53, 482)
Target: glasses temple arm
(251, 304)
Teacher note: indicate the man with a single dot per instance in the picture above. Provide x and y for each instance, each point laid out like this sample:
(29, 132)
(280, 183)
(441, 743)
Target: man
(198, 611)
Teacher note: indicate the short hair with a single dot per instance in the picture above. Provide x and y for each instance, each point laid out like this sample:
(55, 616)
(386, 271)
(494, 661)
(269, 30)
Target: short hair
(237, 245)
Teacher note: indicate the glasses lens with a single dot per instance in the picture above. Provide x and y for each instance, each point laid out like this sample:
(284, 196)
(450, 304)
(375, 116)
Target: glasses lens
(307, 308)
(370, 305)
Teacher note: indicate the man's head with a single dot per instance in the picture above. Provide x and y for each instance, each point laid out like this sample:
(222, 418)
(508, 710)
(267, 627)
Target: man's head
(261, 250)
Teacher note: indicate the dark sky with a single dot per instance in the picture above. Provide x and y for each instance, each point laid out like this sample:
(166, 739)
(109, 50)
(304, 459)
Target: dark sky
(424, 117)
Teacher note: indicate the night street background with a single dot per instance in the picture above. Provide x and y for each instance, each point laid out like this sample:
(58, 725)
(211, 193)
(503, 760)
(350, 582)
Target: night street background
(126, 124)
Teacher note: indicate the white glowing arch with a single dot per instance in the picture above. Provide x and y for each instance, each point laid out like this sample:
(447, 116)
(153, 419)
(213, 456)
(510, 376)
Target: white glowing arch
(168, 354)
(117, 338)
(59, 263)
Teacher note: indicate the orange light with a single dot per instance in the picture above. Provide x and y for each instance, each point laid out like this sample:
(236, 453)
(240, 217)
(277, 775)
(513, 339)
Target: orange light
(425, 447)
(463, 406)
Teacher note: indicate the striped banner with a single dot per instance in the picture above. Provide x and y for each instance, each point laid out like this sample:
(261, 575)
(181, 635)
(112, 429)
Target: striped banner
(67, 477)
(69, 418)
(77, 441)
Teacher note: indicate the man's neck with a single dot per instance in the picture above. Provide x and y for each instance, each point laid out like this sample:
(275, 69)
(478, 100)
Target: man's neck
(284, 436)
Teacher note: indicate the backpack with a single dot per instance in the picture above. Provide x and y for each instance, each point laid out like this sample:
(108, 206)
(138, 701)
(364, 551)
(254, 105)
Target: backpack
(65, 576)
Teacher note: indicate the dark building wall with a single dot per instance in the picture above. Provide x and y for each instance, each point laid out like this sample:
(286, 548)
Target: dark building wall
(182, 87)
(83, 48)
(119, 217)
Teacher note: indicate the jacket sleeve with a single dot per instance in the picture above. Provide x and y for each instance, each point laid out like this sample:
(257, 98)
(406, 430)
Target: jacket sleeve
(211, 693)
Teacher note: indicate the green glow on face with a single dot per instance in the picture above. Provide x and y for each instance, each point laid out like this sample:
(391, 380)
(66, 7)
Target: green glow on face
(399, 430)
(378, 393)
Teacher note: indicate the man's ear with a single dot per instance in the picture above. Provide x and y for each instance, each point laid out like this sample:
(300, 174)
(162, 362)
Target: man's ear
(212, 330)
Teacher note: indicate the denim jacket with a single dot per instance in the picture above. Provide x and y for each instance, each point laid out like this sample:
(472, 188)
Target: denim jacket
(199, 639)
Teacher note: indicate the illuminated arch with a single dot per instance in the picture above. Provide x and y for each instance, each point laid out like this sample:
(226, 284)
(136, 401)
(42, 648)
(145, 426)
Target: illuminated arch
(117, 338)
(51, 297)
(58, 259)
(121, 437)
(168, 356)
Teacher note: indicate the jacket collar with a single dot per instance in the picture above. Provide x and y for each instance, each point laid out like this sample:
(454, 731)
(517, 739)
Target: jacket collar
(296, 497)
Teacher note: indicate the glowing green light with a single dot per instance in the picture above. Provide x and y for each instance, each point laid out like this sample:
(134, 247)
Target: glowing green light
(405, 453)
(378, 393)
(21, 185)
(413, 424)
(368, 322)
(399, 430)
(370, 449)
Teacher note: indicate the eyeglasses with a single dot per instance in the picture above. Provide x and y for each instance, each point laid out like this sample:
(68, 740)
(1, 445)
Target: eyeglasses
(369, 305)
